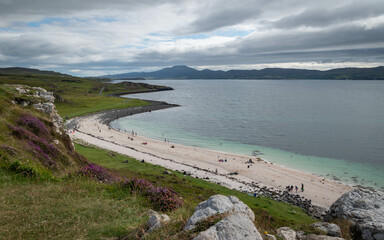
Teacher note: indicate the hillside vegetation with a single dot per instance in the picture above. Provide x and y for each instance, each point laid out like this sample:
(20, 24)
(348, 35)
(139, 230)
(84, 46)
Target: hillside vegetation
(49, 190)
(78, 96)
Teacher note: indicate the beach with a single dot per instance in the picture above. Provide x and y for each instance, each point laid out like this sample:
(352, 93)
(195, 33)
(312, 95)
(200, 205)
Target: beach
(244, 173)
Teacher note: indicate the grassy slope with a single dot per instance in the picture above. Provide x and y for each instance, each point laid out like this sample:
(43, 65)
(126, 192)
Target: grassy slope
(63, 208)
(70, 209)
(80, 96)
(269, 214)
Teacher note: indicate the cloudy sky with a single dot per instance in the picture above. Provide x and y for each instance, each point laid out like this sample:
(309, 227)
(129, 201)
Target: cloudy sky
(96, 37)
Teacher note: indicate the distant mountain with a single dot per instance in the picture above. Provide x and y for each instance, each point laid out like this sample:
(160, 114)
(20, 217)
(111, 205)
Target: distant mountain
(185, 72)
(28, 71)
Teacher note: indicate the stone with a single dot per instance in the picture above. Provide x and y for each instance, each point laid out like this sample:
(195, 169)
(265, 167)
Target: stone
(270, 237)
(156, 220)
(318, 237)
(286, 233)
(218, 204)
(329, 229)
(364, 208)
(233, 227)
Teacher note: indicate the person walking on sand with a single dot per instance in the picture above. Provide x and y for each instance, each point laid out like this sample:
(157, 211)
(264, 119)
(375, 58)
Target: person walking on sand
(302, 187)
(296, 188)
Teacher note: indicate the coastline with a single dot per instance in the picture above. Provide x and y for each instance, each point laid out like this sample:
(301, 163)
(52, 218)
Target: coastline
(261, 176)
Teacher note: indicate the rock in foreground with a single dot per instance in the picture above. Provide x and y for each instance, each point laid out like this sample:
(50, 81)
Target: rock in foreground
(364, 209)
(216, 205)
(234, 227)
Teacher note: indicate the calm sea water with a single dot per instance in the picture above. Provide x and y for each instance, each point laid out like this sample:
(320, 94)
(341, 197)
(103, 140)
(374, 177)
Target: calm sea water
(334, 129)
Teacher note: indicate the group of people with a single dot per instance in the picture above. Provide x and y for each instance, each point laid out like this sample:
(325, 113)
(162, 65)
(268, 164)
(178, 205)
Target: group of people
(290, 188)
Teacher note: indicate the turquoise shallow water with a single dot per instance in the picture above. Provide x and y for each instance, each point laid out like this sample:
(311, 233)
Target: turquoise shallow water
(331, 128)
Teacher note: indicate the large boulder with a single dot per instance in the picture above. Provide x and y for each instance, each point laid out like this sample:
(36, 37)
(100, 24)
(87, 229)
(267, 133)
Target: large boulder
(329, 229)
(364, 208)
(233, 227)
(218, 204)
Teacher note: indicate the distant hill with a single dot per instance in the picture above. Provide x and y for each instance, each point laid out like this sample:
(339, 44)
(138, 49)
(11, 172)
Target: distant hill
(29, 71)
(185, 72)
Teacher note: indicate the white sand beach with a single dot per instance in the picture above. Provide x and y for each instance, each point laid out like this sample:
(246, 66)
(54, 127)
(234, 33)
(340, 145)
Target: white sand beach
(204, 163)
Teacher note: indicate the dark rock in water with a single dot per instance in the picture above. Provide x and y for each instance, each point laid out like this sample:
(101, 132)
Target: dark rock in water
(364, 208)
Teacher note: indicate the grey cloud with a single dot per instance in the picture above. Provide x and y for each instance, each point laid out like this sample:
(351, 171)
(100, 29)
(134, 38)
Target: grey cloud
(219, 14)
(21, 10)
(333, 39)
(220, 18)
(326, 15)
(339, 44)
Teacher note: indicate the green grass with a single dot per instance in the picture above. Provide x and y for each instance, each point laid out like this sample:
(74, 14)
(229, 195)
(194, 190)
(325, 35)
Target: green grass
(80, 96)
(83, 105)
(270, 214)
(70, 209)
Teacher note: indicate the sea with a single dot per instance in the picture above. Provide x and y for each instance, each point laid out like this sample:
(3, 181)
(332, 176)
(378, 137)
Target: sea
(331, 128)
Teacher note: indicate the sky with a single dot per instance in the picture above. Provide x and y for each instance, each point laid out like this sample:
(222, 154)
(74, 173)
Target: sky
(98, 37)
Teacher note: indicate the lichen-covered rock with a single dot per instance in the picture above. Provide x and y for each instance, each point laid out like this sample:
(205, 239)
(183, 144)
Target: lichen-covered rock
(364, 208)
(286, 233)
(156, 220)
(233, 227)
(218, 204)
(318, 237)
(329, 229)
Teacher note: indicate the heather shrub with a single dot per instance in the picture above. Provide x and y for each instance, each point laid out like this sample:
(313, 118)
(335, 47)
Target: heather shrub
(97, 172)
(138, 185)
(33, 124)
(164, 199)
(42, 149)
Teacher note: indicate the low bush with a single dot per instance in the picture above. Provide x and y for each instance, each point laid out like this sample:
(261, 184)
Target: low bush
(97, 172)
(18, 168)
(164, 199)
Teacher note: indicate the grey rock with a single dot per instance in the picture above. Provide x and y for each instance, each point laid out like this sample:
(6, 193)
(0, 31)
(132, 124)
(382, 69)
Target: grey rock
(218, 204)
(364, 208)
(318, 237)
(270, 237)
(286, 233)
(156, 220)
(329, 229)
(233, 227)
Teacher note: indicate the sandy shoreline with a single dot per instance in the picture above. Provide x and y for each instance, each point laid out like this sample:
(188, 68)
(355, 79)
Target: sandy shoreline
(203, 163)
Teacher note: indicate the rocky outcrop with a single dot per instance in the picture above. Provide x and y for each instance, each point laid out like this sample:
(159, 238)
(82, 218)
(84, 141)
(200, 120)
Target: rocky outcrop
(364, 208)
(233, 227)
(216, 205)
(41, 100)
(329, 229)
(156, 220)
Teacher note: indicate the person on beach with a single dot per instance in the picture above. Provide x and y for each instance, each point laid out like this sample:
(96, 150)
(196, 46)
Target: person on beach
(302, 187)
(296, 188)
